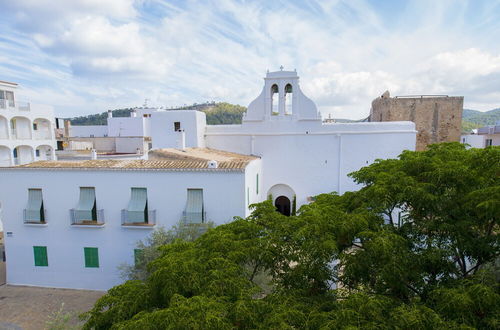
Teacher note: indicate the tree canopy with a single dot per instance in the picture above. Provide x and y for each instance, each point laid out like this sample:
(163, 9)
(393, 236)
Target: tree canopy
(415, 247)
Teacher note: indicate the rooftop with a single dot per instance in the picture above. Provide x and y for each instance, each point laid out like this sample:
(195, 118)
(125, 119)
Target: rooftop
(161, 159)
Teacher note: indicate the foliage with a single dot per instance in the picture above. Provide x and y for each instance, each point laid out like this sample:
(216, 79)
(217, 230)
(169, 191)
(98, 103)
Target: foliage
(416, 247)
(61, 320)
(149, 248)
(481, 118)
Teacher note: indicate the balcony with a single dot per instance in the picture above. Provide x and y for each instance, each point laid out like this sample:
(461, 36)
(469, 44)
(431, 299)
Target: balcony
(150, 221)
(78, 218)
(24, 106)
(194, 217)
(31, 217)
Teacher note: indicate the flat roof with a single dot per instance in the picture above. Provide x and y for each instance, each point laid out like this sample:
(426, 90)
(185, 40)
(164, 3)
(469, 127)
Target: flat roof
(8, 82)
(163, 159)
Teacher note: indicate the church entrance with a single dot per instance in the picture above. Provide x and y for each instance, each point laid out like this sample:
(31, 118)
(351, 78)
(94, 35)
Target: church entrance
(282, 204)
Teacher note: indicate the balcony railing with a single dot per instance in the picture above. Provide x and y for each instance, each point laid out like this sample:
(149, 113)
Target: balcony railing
(149, 222)
(3, 104)
(24, 106)
(29, 217)
(194, 217)
(78, 218)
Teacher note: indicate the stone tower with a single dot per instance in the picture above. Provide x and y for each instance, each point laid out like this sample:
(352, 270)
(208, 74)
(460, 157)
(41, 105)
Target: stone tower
(438, 118)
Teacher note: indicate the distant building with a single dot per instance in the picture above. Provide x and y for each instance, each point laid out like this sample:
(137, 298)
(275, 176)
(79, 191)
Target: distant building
(437, 118)
(26, 129)
(71, 224)
(483, 137)
(121, 135)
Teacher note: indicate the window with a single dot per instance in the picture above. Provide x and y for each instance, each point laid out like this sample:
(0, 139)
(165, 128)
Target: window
(489, 142)
(91, 257)
(14, 152)
(40, 253)
(86, 209)
(194, 208)
(138, 255)
(35, 126)
(34, 210)
(37, 152)
(137, 210)
(257, 184)
(145, 115)
(177, 126)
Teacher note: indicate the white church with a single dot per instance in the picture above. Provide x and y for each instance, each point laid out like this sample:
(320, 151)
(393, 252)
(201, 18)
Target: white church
(71, 224)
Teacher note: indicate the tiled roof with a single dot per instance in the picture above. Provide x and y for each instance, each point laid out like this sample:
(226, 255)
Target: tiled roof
(166, 159)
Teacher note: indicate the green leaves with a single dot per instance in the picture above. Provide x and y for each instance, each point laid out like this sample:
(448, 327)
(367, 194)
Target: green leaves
(416, 247)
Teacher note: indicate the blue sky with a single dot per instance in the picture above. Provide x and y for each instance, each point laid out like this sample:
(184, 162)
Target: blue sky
(87, 56)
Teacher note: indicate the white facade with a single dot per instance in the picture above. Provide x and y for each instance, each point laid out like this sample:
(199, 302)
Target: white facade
(483, 137)
(298, 157)
(223, 198)
(26, 129)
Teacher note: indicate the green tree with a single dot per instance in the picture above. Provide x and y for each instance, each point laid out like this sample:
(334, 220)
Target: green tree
(415, 247)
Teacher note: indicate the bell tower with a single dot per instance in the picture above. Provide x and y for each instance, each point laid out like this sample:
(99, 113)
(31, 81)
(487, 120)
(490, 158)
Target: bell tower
(281, 99)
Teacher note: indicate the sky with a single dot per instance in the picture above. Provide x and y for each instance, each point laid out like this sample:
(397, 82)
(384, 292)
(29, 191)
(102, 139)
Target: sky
(88, 56)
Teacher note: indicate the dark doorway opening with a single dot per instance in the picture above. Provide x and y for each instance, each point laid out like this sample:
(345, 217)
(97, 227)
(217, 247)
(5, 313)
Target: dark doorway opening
(282, 204)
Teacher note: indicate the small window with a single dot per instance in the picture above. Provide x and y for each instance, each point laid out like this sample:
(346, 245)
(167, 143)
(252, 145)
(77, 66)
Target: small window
(177, 126)
(14, 152)
(35, 126)
(138, 255)
(40, 253)
(37, 152)
(489, 142)
(91, 257)
(145, 115)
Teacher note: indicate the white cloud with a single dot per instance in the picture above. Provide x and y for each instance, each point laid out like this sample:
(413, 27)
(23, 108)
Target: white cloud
(118, 52)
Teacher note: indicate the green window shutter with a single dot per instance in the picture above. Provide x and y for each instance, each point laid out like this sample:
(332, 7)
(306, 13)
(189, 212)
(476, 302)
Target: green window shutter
(91, 257)
(40, 253)
(138, 255)
(257, 184)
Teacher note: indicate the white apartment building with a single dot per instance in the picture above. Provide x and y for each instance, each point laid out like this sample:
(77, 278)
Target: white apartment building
(26, 129)
(71, 224)
(483, 137)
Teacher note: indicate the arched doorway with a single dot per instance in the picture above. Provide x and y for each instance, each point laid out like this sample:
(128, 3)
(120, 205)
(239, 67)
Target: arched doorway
(283, 205)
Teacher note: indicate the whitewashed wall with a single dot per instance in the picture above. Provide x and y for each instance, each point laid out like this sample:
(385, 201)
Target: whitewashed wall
(163, 134)
(89, 131)
(223, 193)
(126, 126)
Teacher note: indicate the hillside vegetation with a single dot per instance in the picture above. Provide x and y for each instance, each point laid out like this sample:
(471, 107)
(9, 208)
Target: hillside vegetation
(221, 113)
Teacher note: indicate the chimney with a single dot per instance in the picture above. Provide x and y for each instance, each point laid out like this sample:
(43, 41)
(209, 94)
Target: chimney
(182, 140)
(110, 114)
(67, 127)
(93, 154)
(133, 114)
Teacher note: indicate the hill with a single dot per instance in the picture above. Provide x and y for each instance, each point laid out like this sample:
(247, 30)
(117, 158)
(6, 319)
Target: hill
(221, 113)
(474, 119)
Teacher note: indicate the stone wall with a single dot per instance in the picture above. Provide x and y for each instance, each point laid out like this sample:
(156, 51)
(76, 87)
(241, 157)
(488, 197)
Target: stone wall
(437, 118)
